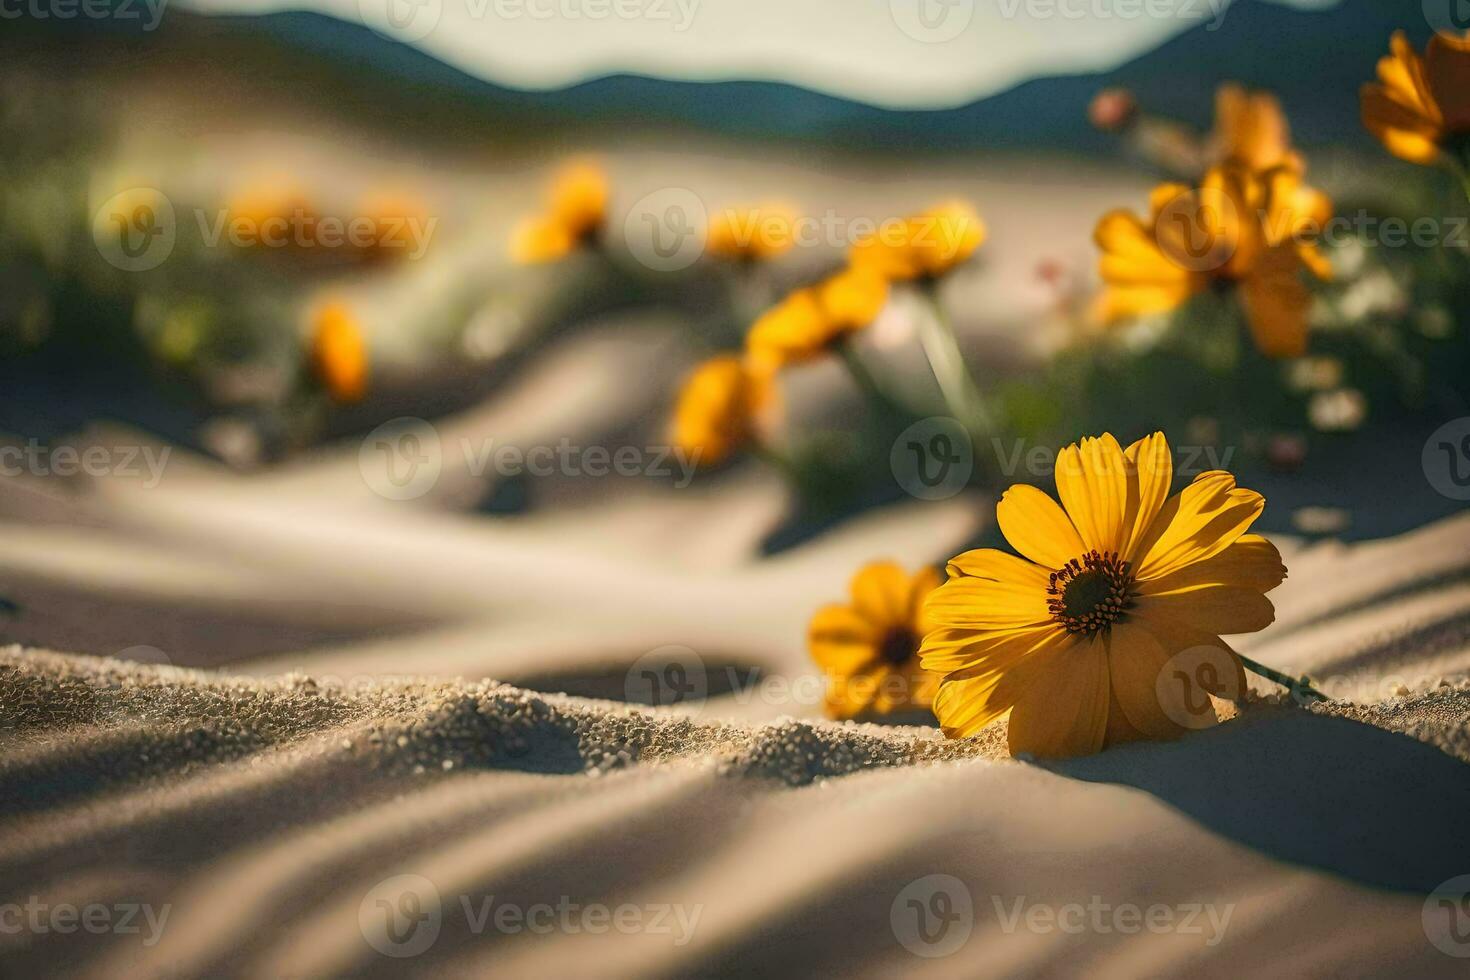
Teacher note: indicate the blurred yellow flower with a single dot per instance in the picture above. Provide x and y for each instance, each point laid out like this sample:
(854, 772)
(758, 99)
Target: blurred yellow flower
(272, 212)
(1074, 637)
(576, 208)
(399, 222)
(925, 246)
(751, 234)
(1251, 130)
(868, 648)
(339, 354)
(1253, 231)
(1419, 107)
(719, 409)
(809, 321)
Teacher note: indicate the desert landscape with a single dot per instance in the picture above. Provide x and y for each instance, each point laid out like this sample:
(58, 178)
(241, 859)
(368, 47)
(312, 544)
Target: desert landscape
(311, 670)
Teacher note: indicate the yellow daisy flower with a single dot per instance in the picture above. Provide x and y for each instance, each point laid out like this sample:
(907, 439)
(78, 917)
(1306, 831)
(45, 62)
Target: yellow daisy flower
(719, 409)
(925, 246)
(1419, 107)
(751, 234)
(868, 648)
(1237, 228)
(339, 354)
(1251, 130)
(1070, 638)
(575, 212)
(809, 321)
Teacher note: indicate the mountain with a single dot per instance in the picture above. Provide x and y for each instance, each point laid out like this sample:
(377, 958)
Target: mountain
(1316, 61)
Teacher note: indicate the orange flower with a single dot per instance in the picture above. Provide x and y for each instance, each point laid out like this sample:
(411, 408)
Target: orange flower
(1419, 107)
(339, 355)
(273, 212)
(1079, 637)
(809, 321)
(576, 208)
(925, 246)
(1251, 130)
(868, 648)
(751, 234)
(719, 409)
(1254, 232)
(399, 222)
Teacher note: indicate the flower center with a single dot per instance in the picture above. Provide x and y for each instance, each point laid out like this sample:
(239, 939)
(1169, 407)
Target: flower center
(1089, 594)
(898, 646)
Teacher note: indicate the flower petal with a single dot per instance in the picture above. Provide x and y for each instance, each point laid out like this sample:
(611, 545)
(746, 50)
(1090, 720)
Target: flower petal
(970, 699)
(1277, 302)
(1404, 132)
(1036, 527)
(1447, 73)
(1092, 480)
(840, 640)
(998, 566)
(1251, 562)
(1136, 660)
(1209, 608)
(923, 582)
(1199, 522)
(1224, 677)
(880, 594)
(981, 603)
(1063, 712)
(1150, 474)
(945, 651)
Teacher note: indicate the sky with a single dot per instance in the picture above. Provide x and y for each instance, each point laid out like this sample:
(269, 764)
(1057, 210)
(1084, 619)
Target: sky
(892, 53)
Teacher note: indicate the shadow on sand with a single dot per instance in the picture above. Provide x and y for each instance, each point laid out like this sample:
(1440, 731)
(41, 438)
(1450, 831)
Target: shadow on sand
(1370, 805)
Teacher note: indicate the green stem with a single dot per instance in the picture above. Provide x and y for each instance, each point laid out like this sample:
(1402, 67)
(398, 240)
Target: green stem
(941, 347)
(778, 461)
(1299, 688)
(1457, 162)
(865, 380)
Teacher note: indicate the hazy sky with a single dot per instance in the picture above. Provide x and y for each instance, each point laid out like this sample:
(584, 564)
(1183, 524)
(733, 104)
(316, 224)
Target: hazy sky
(902, 53)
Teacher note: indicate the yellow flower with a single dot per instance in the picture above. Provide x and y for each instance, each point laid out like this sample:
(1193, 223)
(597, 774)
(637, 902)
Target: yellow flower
(339, 354)
(272, 212)
(1253, 231)
(925, 246)
(1072, 637)
(399, 221)
(1420, 106)
(809, 321)
(719, 409)
(751, 234)
(868, 649)
(1251, 130)
(575, 212)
